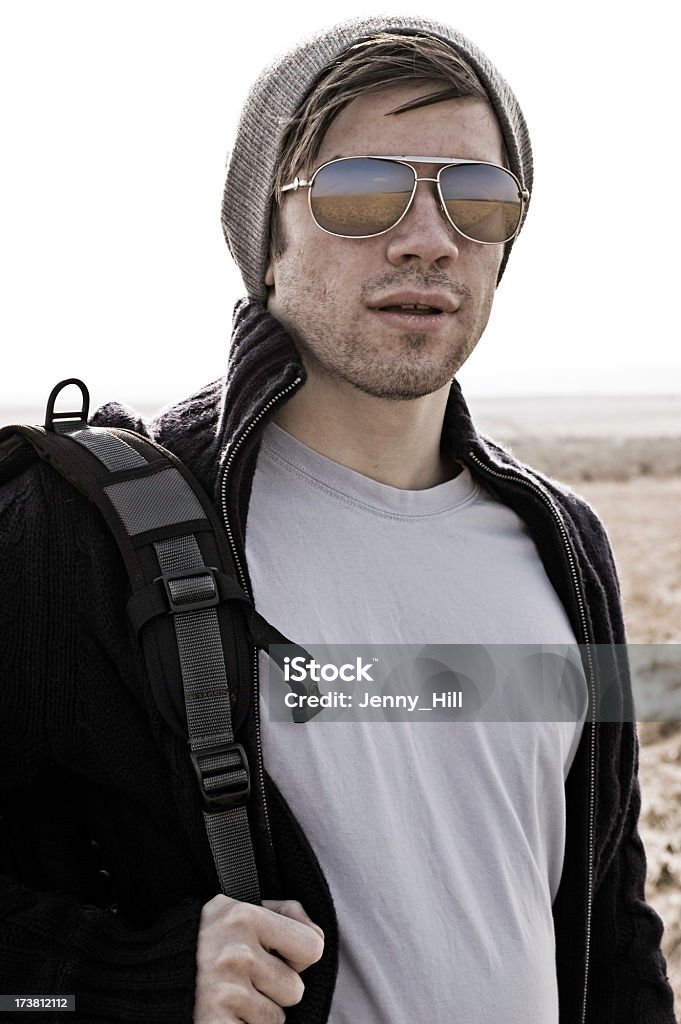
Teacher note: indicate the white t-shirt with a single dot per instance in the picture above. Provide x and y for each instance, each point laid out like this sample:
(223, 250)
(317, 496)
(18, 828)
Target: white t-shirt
(442, 842)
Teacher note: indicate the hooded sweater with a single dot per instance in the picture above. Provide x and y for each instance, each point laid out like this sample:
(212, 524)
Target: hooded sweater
(104, 860)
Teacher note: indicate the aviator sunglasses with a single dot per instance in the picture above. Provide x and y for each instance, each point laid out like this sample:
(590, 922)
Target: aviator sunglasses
(364, 196)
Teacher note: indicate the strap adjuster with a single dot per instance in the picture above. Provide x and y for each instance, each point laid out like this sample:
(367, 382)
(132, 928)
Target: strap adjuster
(194, 589)
(221, 780)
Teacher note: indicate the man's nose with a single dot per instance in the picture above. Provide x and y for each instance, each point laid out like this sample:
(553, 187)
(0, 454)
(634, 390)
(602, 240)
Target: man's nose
(424, 233)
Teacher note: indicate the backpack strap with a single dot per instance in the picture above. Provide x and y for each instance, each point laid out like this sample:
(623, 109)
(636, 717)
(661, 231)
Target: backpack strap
(195, 622)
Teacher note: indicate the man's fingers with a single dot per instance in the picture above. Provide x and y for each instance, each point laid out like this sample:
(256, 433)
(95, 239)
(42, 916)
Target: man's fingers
(299, 943)
(274, 978)
(249, 959)
(251, 1007)
(294, 910)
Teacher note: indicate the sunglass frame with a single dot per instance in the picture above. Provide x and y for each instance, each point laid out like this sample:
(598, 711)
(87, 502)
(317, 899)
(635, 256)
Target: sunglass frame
(407, 161)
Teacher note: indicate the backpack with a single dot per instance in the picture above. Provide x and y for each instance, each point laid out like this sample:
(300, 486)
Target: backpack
(196, 624)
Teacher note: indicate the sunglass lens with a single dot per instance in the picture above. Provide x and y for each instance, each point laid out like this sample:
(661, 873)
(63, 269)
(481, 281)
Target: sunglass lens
(482, 201)
(359, 197)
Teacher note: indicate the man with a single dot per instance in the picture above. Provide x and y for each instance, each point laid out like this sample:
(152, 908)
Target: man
(411, 870)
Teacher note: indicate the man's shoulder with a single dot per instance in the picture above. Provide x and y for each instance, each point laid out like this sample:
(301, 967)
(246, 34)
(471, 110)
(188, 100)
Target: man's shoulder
(582, 522)
(46, 523)
(35, 497)
(187, 428)
(190, 429)
(564, 495)
(30, 488)
(42, 515)
(191, 418)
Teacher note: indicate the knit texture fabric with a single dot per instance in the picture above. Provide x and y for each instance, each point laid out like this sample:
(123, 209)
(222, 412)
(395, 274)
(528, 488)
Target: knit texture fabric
(277, 94)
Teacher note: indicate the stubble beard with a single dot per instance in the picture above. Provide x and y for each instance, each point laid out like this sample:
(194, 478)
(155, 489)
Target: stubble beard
(405, 373)
(401, 369)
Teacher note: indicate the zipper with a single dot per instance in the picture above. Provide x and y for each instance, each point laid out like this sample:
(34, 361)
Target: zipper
(242, 578)
(567, 547)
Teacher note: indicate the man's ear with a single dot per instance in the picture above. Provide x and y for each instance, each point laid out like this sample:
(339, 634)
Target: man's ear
(269, 272)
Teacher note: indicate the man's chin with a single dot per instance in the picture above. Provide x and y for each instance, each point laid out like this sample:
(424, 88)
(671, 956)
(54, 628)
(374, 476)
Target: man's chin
(400, 388)
(395, 373)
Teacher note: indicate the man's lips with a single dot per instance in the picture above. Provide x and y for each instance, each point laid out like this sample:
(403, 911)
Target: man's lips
(414, 304)
(410, 311)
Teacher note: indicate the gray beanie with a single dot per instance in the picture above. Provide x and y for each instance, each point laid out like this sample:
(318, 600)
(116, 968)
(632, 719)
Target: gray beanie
(277, 94)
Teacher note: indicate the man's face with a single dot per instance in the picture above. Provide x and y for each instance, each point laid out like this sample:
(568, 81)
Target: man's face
(340, 298)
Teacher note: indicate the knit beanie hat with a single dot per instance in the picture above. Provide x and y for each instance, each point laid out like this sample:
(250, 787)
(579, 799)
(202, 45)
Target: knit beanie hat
(275, 98)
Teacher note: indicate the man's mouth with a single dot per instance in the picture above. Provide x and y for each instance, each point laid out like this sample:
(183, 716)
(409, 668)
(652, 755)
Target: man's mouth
(416, 305)
(413, 308)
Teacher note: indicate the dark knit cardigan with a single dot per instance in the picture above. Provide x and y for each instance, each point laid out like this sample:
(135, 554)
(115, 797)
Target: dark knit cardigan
(103, 852)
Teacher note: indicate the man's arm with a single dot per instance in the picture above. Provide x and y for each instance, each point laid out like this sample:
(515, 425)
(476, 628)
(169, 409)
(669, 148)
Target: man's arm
(49, 945)
(226, 961)
(78, 755)
(628, 975)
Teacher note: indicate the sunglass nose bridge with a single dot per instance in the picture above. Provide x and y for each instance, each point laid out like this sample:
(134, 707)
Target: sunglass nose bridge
(436, 196)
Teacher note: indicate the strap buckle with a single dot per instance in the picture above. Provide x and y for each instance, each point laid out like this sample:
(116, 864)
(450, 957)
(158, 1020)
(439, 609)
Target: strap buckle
(75, 418)
(195, 588)
(221, 780)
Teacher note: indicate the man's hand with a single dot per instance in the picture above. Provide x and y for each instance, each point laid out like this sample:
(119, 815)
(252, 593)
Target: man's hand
(249, 959)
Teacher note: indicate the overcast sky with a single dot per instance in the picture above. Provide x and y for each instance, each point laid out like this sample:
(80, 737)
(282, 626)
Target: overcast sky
(116, 120)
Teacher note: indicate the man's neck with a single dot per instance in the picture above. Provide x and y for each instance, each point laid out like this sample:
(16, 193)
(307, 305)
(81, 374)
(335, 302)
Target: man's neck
(394, 442)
